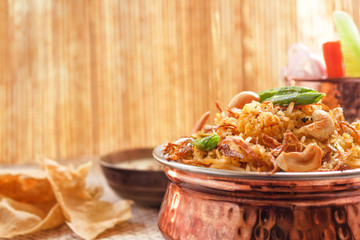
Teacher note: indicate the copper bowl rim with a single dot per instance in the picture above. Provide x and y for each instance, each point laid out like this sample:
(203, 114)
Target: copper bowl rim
(231, 174)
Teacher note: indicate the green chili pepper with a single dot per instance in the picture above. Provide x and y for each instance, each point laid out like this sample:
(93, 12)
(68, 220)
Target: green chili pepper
(207, 143)
(264, 95)
(285, 95)
(297, 98)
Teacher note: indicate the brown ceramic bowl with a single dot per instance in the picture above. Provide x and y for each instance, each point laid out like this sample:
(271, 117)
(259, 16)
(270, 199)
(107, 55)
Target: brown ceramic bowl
(129, 175)
(204, 203)
(344, 92)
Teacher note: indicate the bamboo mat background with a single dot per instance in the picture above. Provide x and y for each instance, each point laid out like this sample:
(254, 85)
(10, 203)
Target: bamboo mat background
(90, 77)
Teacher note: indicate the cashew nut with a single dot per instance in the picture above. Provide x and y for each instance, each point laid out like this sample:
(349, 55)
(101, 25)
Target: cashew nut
(243, 98)
(199, 125)
(322, 127)
(308, 160)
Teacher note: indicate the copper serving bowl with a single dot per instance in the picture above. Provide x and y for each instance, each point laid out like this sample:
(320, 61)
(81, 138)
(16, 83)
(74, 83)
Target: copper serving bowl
(145, 186)
(205, 203)
(344, 92)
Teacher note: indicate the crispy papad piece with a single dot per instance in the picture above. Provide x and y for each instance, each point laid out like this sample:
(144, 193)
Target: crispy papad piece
(26, 185)
(85, 214)
(27, 203)
(21, 218)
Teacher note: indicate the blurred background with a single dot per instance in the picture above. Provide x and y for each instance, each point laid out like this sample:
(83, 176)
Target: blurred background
(91, 77)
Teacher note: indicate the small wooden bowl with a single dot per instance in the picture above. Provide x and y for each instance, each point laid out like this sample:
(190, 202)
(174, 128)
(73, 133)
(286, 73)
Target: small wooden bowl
(144, 186)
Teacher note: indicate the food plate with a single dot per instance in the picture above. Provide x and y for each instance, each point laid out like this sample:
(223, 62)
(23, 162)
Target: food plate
(280, 176)
(277, 176)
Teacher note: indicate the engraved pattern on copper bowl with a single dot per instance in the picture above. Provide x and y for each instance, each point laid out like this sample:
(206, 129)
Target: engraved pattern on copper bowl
(204, 203)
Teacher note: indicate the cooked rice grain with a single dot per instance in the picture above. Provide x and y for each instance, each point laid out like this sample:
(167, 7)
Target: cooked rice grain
(248, 126)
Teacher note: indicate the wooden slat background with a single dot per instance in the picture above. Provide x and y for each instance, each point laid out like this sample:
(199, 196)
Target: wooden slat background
(89, 77)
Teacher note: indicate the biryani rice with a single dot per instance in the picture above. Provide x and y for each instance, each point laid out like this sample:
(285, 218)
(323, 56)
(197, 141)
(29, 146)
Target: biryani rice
(242, 132)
